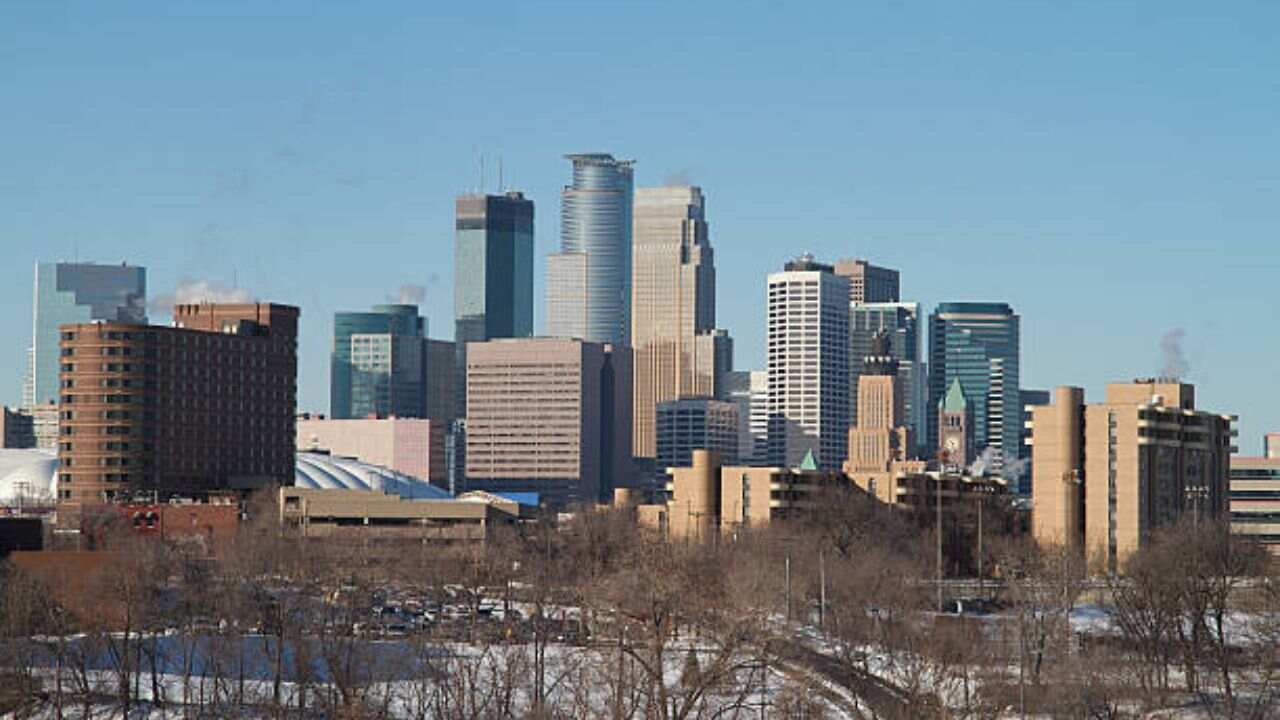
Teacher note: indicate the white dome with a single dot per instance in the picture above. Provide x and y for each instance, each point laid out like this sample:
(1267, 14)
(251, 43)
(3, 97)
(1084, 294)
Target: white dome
(27, 476)
(319, 471)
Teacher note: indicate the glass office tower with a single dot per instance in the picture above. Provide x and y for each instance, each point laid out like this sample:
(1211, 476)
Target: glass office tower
(493, 274)
(978, 344)
(589, 280)
(68, 293)
(377, 364)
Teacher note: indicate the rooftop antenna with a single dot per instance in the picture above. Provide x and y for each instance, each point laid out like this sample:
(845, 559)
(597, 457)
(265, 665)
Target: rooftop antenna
(501, 187)
(481, 173)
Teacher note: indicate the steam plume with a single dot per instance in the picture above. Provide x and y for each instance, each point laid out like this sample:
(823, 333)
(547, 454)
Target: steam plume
(190, 291)
(1175, 362)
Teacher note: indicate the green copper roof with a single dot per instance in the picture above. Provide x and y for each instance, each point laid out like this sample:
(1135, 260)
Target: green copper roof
(954, 400)
(809, 462)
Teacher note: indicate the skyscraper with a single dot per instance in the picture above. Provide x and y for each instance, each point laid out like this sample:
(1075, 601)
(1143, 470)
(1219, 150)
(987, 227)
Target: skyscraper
(977, 344)
(900, 322)
(493, 273)
(869, 283)
(808, 355)
(589, 280)
(383, 365)
(673, 305)
(68, 293)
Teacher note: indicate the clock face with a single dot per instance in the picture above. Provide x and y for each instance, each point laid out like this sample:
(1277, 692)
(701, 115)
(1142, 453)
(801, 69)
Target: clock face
(953, 443)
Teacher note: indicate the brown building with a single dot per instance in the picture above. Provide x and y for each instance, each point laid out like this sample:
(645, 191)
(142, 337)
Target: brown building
(204, 405)
(868, 283)
(1105, 475)
(550, 416)
(369, 514)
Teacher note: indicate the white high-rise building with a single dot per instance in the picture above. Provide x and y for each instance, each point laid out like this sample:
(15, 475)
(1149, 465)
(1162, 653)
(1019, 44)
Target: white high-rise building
(808, 364)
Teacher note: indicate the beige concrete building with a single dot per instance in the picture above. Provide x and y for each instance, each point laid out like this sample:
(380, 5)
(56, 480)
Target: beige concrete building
(711, 498)
(673, 306)
(1106, 474)
(1255, 500)
(407, 445)
(550, 416)
(369, 514)
(879, 442)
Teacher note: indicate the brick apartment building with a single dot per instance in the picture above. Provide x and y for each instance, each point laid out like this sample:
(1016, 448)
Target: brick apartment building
(205, 405)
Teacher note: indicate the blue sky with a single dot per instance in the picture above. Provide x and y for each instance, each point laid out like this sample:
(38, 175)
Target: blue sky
(1110, 169)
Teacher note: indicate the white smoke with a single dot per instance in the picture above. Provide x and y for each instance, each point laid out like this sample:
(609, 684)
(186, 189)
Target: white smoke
(409, 295)
(192, 291)
(1175, 362)
(983, 463)
(1015, 469)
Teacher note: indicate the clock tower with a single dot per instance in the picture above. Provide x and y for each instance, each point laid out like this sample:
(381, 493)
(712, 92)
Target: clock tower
(955, 441)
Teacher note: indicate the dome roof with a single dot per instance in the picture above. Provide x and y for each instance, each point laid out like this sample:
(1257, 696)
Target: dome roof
(30, 476)
(27, 476)
(319, 471)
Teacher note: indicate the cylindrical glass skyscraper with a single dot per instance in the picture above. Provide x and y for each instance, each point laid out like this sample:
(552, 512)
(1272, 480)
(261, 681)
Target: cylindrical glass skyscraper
(589, 280)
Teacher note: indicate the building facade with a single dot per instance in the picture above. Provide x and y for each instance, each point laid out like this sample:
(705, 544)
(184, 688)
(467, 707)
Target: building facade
(695, 423)
(548, 415)
(808, 364)
(204, 406)
(589, 280)
(493, 273)
(383, 365)
(977, 344)
(868, 283)
(1107, 474)
(749, 391)
(68, 293)
(673, 288)
(1255, 500)
(17, 429)
(411, 446)
(901, 322)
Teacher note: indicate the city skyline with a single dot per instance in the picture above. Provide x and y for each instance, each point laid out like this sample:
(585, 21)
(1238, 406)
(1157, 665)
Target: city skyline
(977, 177)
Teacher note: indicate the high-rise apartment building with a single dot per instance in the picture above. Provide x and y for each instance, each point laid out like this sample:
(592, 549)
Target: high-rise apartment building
(383, 365)
(68, 293)
(749, 391)
(589, 280)
(205, 405)
(548, 415)
(695, 423)
(977, 344)
(868, 283)
(493, 273)
(901, 323)
(673, 306)
(1107, 474)
(808, 364)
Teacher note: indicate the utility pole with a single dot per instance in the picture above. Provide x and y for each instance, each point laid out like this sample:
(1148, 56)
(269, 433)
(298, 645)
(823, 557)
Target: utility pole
(981, 501)
(822, 592)
(937, 501)
(786, 569)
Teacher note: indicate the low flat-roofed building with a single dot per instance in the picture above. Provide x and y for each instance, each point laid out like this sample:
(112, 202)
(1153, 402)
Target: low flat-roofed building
(372, 514)
(1255, 500)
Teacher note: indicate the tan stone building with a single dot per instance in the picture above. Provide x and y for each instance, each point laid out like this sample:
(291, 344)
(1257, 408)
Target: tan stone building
(1255, 499)
(869, 283)
(879, 442)
(673, 306)
(1106, 474)
(710, 498)
(407, 445)
(550, 416)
